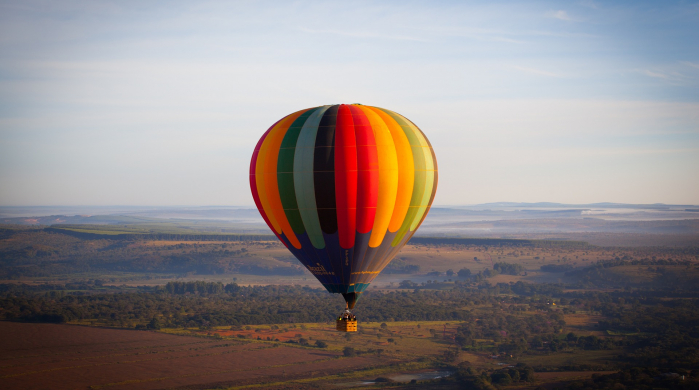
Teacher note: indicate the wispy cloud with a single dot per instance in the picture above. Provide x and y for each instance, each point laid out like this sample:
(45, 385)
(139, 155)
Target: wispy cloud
(503, 39)
(560, 14)
(564, 34)
(657, 75)
(355, 34)
(199, 83)
(481, 34)
(538, 71)
(490, 37)
(670, 75)
(589, 3)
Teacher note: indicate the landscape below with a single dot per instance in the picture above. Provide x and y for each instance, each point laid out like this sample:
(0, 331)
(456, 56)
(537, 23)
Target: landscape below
(163, 306)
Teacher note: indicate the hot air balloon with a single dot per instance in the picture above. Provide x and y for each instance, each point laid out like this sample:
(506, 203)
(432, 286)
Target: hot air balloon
(344, 187)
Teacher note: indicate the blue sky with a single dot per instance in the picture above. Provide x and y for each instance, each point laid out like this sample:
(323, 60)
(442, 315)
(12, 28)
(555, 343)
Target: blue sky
(161, 103)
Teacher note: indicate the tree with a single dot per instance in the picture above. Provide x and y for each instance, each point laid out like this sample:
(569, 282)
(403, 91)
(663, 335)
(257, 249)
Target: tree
(464, 273)
(408, 284)
(450, 355)
(321, 344)
(153, 324)
(507, 268)
(349, 352)
(450, 273)
(501, 378)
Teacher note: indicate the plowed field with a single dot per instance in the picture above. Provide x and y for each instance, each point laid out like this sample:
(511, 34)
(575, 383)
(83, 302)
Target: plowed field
(48, 356)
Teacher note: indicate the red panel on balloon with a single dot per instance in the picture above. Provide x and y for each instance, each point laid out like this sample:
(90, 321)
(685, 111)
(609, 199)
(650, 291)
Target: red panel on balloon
(346, 177)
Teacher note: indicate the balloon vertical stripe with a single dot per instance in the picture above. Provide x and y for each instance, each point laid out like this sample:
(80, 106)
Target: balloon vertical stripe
(324, 171)
(285, 173)
(367, 171)
(388, 176)
(303, 178)
(269, 175)
(253, 182)
(346, 177)
(406, 173)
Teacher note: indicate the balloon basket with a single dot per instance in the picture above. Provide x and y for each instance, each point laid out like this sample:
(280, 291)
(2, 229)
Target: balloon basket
(344, 325)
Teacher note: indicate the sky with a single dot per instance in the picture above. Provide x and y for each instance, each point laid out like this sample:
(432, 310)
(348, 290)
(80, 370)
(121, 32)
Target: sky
(162, 103)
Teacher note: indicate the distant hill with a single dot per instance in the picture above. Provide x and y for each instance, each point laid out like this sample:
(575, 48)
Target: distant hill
(606, 205)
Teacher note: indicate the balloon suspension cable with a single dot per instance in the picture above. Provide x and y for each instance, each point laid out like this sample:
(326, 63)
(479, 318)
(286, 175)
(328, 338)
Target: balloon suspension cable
(347, 314)
(346, 321)
(351, 299)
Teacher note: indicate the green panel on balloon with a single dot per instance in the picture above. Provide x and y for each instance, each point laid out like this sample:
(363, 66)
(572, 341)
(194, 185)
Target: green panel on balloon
(285, 173)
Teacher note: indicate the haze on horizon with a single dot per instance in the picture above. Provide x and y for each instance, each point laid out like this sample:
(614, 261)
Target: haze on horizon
(161, 103)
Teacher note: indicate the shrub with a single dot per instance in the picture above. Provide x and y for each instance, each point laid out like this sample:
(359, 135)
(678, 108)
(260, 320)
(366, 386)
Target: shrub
(464, 273)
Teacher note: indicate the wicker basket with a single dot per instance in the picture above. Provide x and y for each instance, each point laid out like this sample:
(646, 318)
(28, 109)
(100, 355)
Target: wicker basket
(346, 325)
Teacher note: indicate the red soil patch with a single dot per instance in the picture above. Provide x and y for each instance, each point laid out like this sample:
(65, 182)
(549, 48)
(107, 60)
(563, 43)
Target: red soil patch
(41, 356)
(273, 334)
(557, 379)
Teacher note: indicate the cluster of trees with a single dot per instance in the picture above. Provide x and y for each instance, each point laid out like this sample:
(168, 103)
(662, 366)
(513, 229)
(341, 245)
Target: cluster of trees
(514, 333)
(649, 328)
(498, 268)
(531, 289)
(508, 268)
(621, 272)
(640, 378)
(399, 266)
(464, 273)
(204, 304)
(552, 342)
(45, 253)
(557, 267)
(200, 287)
(474, 378)
(662, 334)
(486, 243)
(97, 232)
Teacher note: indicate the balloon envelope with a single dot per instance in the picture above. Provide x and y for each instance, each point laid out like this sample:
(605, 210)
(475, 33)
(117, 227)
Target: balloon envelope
(344, 187)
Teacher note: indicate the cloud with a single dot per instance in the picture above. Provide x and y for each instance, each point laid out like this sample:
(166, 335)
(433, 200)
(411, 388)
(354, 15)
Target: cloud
(363, 35)
(560, 14)
(589, 3)
(658, 75)
(672, 76)
(476, 33)
(165, 103)
(538, 72)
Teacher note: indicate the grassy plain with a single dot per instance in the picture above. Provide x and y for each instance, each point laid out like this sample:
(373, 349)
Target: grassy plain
(157, 254)
(37, 356)
(284, 355)
(40, 356)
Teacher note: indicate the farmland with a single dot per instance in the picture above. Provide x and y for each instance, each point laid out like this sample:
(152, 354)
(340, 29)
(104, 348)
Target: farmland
(136, 307)
(50, 254)
(69, 357)
(38, 356)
